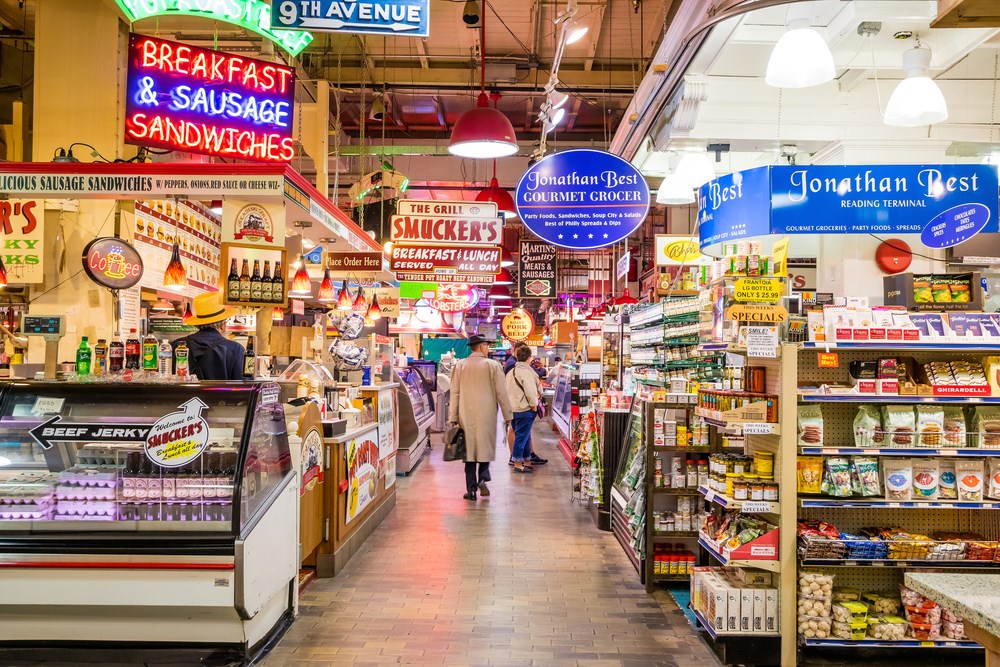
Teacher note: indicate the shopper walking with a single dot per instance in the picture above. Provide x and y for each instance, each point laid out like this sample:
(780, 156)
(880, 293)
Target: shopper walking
(477, 391)
(525, 390)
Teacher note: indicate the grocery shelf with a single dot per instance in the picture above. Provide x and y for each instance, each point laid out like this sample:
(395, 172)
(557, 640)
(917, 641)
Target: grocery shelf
(674, 535)
(752, 506)
(671, 577)
(848, 503)
(756, 428)
(863, 562)
(769, 565)
(903, 643)
(869, 398)
(714, 634)
(896, 451)
(671, 491)
(896, 345)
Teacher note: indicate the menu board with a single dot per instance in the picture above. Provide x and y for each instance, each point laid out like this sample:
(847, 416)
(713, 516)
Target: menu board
(199, 235)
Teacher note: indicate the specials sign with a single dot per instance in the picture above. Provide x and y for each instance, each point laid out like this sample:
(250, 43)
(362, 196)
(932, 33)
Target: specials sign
(447, 223)
(536, 275)
(438, 259)
(185, 98)
(362, 473)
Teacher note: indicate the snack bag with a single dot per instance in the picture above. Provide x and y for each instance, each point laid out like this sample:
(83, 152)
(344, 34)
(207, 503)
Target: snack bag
(867, 426)
(864, 476)
(925, 479)
(954, 426)
(899, 423)
(969, 474)
(986, 422)
(898, 478)
(810, 425)
(810, 474)
(947, 481)
(836, 477)
(993, 488)
(930, 425)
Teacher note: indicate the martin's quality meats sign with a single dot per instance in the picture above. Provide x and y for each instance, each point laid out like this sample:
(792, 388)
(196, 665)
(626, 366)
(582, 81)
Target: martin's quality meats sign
(447, 223)
(433, 259)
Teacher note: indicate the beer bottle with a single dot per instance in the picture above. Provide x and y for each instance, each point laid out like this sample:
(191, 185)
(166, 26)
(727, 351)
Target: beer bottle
(255, 289)
(245, 281)
(277, 285)
(233, 287)
(265, 283)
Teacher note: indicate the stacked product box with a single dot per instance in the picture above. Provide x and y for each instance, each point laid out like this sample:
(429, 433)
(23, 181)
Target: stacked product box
(735, 600)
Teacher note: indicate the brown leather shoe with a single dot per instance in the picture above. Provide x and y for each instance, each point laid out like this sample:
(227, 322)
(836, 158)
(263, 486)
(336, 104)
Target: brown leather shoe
(484, 490)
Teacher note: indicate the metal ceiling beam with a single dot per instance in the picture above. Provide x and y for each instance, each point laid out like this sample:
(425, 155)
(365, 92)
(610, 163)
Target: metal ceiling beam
(588, 64)
(422, 50)
(454, 76)
(574, 114)
(529, 113)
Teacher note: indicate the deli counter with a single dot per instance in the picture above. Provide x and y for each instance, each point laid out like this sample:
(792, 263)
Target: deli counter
(145, 513)
(416, 414)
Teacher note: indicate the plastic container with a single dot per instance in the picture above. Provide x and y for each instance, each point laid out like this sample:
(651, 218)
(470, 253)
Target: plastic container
(923, 614)
(887, 628)
(925, 631)
(953, 629)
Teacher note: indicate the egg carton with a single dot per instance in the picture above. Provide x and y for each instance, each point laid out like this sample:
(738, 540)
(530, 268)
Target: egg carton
(73, 492)
(85, 508)
(26, 499)
(84, 517)
(105, 477)
(26, 512)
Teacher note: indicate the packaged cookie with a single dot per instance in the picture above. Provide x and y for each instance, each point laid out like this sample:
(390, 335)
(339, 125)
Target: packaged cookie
(969, 474)
(810, 474)
(954, 426)
(836, 477)
(947, 482)
(899, 424)
(986, 423)
(930, 425)
(898, 475)
(865, 476)
(867, 426)
(810, 425)
(993, 486)
(925, 479)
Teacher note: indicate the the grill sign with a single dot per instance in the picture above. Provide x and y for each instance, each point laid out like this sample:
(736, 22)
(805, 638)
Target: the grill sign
(447, 222)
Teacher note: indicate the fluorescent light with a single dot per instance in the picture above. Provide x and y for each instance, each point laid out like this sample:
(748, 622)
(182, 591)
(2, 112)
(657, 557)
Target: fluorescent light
(695, 169)
(917, 99)
(674, 191)
(800, 59)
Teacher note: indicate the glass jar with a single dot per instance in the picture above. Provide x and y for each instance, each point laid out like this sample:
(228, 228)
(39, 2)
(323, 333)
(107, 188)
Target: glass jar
(771, 491)
(741, 489)
(731, 479)
(757, 490)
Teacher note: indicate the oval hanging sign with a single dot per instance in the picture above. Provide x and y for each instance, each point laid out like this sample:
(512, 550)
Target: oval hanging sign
(455, 298)
(582, 199)
(111, 262)
(954, 225)
(517, 325)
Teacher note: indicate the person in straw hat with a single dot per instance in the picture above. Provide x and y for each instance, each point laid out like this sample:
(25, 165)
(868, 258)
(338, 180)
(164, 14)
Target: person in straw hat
(212, 356)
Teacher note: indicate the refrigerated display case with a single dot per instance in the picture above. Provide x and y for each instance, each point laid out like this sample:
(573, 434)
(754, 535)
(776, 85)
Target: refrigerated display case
(145, 513)
(416, 412)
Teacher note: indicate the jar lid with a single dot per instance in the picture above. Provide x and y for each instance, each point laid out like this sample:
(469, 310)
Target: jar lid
(733, 474)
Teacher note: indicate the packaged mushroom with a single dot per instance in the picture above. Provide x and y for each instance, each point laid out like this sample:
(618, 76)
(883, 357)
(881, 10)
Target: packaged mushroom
(849, 612)
(887, 628)
(814, 627)
(852, 631)
(881, 603)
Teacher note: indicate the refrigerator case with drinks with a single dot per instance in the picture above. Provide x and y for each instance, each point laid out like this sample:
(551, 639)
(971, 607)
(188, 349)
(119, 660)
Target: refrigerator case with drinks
(145, 513)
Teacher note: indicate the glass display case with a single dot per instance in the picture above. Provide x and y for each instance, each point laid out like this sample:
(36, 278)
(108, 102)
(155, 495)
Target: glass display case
(199, 458)
(416, 412)
(562, 399)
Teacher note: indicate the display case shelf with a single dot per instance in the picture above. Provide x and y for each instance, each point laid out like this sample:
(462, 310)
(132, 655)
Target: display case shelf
(859, 398)
(752, 506)
(892, 451)
(888, 345)
(714, 634)
(851, 503)
(903, 643)
(750, 428)
(936, 564)
(769, 565)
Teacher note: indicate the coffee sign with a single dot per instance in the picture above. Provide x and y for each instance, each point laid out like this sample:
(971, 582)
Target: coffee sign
(23, 234)
(517, 325)
(112, 263)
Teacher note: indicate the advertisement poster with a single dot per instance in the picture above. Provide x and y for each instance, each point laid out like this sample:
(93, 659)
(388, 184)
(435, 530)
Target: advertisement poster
(198, 233)
(536, 275)
(22, 225)
(311, 463)
(386, 425)
(362, 473)
(179, 437)
(389, 471)
(250, 222)
(446, 223)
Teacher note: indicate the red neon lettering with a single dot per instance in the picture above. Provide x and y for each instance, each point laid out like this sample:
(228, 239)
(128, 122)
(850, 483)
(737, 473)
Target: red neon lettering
(250, 73)
(233, 68)
(213, 67)
(205, 138)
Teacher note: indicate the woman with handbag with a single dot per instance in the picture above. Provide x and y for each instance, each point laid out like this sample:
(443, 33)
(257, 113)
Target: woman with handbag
(477, 390)
(525, 391)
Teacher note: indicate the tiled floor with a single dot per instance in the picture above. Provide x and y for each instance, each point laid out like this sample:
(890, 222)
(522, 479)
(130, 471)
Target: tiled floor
(521, 578)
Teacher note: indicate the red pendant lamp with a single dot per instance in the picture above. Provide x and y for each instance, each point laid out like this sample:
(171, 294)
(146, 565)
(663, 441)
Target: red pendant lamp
(499, 293)
(277, 314)
(483, 132)
(503, 278)
(301, 285)
(174, 276)
(344, 301)
(360, 304)
(326, 293)
(374, 313)
(626, 299)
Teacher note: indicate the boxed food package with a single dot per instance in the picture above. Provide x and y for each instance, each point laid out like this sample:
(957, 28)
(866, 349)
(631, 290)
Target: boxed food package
(991, 366)
(733, 610)
(759, 608)
(746, 609)
(752, 577)
(771, 610)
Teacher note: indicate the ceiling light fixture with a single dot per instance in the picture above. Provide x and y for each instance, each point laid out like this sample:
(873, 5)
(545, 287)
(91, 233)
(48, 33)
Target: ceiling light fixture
(506, 259)
(674, 191)
(378, 108)
(504, 277)
(557, 99)
(162, 306)
(499, 293)
(472, 13)
(360, 305)
(800, 59)
(917, 99)
(326, 293)
(301, 285)
(374, 313)
(695, 169)
(344, 301)
(174, 276)
(572, 30)
(482, 132)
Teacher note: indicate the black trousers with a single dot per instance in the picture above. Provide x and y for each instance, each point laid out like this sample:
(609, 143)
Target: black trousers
(472, 480)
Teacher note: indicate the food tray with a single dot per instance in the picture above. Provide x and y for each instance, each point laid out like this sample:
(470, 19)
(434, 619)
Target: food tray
(26, 512)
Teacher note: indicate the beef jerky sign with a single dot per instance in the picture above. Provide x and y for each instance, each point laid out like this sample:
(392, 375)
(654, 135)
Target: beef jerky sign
(536, 270)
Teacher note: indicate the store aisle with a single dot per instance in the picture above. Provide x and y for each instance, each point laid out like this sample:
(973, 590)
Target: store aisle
(521, 578)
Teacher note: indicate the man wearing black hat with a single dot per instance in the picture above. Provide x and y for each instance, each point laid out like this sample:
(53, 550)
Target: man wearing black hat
(477, 391)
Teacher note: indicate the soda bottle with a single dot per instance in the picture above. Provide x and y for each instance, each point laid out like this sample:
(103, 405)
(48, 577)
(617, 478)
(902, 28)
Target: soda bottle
(116, 355)
(83, 358)
(100, 365)
(181, 359)
(149, 352)
(166, 358)
(133, 350)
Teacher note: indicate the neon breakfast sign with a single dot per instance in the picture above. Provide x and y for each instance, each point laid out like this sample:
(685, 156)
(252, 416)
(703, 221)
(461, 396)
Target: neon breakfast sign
(253, 15)
(185, 98)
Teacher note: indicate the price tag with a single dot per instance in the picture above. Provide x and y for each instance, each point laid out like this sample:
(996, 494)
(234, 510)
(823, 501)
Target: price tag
(756, 507)
(757, 428)
(709, 495)
(47, 405)
(828, 359)
(762, 342)
(949, 452)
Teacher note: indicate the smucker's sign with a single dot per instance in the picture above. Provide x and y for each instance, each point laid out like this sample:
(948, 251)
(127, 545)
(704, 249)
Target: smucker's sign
(179, 437)
(447, 223)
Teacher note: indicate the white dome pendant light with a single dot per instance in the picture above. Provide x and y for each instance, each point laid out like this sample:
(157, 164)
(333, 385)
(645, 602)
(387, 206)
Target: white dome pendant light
(673, 191)
(695, 169)
(800, 59)
(917, 99)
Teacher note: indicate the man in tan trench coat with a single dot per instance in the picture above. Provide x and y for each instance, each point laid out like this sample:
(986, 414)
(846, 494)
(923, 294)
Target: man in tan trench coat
(477, 388)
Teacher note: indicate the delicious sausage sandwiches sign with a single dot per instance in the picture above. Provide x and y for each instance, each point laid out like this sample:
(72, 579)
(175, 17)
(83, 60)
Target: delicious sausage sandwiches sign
(582, 199)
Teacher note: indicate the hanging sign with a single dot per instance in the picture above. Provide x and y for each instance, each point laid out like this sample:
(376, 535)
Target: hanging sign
(446, 222)
(536, 274)
(388, 300)
(179, 437)
(673, 250)
(185, 98)
(373, 17)
(253, 15)
(364, 262)
(112, 263)
(517, 325)
(438, 259)
(582, 199)
(455, 298)
(253, 223)
(621, 267)
(470, 278)
(750, 312)
(828, 360)
(761, 341)
(362, 473)
(946, 204)
(757, 289)
(780, 252)
(23, 234)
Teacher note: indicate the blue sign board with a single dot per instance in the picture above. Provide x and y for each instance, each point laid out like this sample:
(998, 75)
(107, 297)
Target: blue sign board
(945, 204)
(582, 199)
(407, 18)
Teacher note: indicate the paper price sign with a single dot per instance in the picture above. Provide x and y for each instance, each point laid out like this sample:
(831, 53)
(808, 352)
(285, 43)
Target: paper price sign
(762, 342)
(756, 507)
(757, 290)
(757, 429)
(828, 360)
